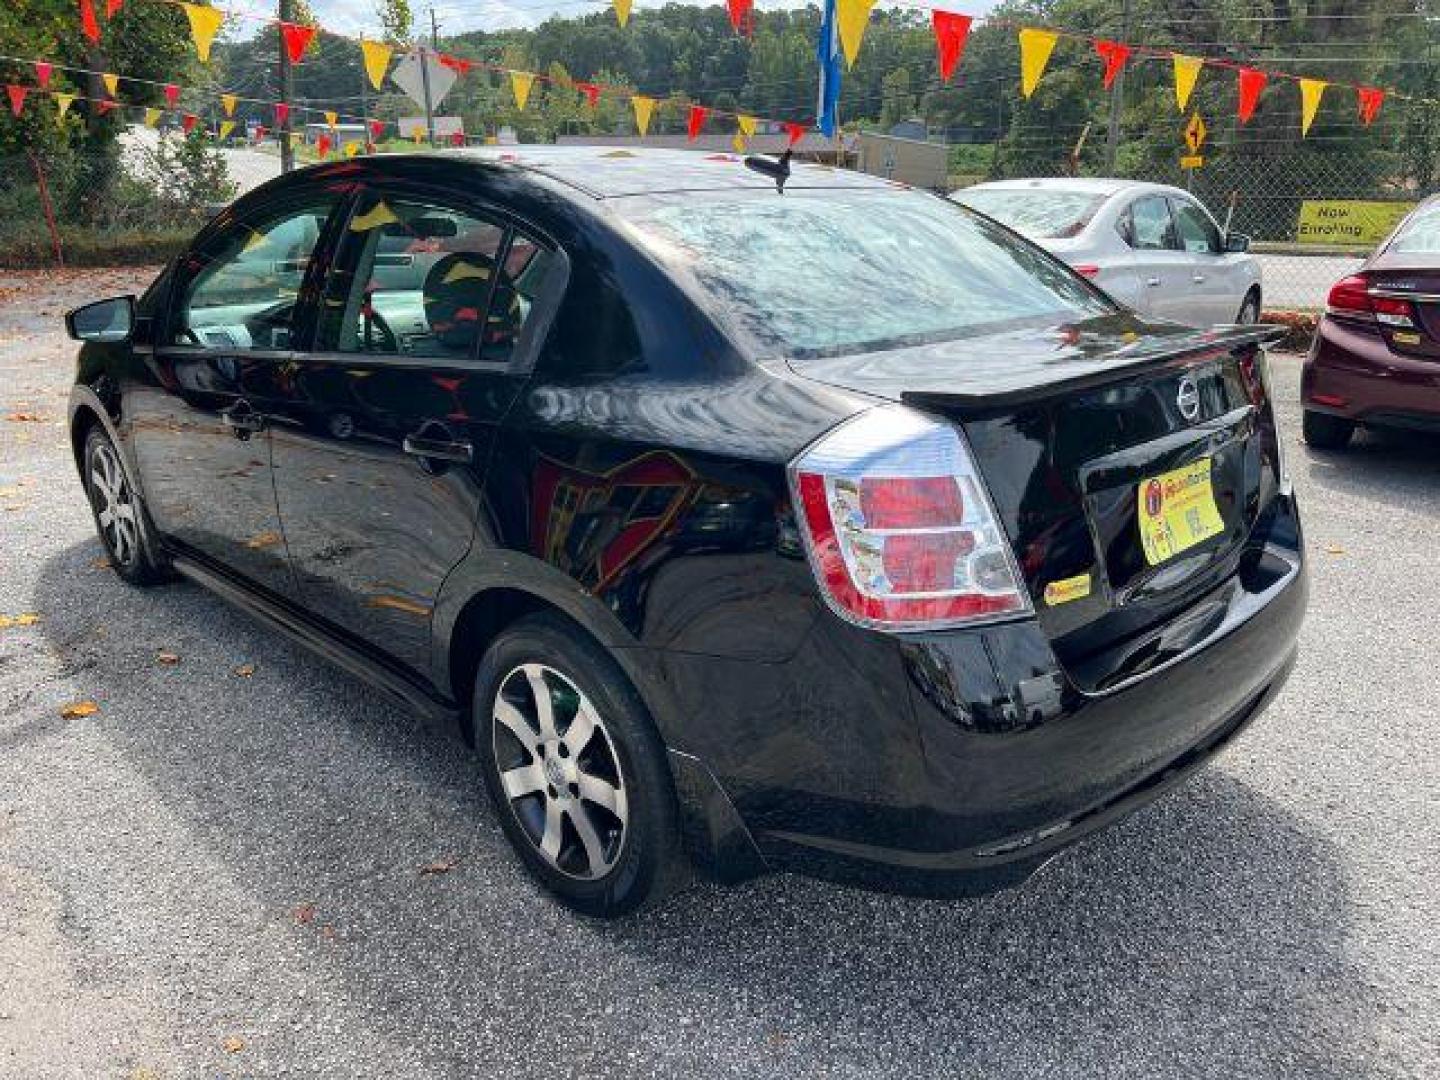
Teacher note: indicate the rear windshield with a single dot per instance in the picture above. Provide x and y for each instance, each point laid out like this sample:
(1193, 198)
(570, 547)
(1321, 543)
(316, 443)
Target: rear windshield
(829, 272)
(1421, 234)
(1043, 215)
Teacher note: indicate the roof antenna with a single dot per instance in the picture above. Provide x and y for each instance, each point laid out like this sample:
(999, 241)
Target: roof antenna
(778, 170)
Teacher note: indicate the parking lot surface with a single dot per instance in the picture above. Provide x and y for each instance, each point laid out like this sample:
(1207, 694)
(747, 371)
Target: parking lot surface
(242, 864)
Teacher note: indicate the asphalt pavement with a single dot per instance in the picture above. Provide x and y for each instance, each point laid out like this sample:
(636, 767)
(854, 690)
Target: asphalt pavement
(243, 864)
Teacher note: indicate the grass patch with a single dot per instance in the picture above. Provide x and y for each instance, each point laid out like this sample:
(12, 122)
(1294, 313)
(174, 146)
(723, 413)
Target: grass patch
(28, 249)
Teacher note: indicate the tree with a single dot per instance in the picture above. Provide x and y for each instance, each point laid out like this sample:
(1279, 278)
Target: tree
(396, 20)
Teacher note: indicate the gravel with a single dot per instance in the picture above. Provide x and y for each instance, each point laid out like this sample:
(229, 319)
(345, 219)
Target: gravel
(216, 875)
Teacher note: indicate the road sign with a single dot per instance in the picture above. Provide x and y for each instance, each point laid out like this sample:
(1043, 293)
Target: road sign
(409, 77)
(1195, 133)
(1191, 161)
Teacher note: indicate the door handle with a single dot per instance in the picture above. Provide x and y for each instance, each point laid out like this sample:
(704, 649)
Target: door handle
(242, 419)
(1153, 282)
(1198, 279)
(429, 449)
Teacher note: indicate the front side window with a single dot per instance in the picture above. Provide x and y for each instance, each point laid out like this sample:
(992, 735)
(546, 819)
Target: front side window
(1151, 226)
(1198, 234)
(828, 272)
(1043, 214)
(239, 291)
(420, 279)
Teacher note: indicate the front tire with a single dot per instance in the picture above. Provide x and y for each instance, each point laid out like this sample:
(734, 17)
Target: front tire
(119, 513)
(1326, 432)
(575, 769)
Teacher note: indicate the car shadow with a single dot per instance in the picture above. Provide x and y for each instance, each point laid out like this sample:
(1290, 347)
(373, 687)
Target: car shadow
(1392, 467)
(1211, 926)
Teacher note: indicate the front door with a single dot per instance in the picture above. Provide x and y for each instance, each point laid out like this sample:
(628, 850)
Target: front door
(1215, 297)
(200, 421)
(1159, 263)
(389, 421)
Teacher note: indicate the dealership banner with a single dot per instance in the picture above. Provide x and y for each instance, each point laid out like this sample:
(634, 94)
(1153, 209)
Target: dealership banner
(1348, 221)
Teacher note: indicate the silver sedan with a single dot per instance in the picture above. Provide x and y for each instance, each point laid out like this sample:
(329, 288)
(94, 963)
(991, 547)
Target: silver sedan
(1151, 246)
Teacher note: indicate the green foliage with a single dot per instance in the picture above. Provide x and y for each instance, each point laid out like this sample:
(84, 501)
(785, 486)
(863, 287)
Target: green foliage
(396, 20)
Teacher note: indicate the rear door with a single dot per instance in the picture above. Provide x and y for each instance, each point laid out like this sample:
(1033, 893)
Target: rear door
(428, 323)
(1159, 264)
(201, 422)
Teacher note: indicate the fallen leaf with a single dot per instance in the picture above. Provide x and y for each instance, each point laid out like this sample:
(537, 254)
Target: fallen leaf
(263, 540)
(1334, 549)
(77, 709)
(233, 1044)
(25, 618)
(102, 563)
(143, 1072)
(27, 418)
(245, 670)
(304, 914)
(164, 657)
(440, 866)
(327, 932)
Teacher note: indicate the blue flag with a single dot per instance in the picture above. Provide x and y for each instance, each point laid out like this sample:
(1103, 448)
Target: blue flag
(827, 51)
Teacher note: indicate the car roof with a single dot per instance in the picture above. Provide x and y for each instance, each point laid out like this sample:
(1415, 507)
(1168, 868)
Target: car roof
(1094, 185)
(605, 172)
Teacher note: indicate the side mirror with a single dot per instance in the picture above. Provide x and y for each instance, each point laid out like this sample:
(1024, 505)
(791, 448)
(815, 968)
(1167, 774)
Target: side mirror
(1236, 243)
(105, 320)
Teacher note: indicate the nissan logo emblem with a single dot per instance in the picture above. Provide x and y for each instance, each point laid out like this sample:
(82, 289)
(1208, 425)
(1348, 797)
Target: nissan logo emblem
(1188, 398)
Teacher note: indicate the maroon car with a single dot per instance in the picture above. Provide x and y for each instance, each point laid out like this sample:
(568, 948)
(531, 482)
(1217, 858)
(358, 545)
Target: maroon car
(1376, 356)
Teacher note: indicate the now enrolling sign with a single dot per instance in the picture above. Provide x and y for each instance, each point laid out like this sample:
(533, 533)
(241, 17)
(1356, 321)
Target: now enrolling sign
(1348, 221)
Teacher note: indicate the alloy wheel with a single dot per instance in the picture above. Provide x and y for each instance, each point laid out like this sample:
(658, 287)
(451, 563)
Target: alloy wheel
(114, 504)
(559, 771)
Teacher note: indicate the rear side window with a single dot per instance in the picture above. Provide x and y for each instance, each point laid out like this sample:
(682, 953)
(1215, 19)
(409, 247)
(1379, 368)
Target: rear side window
(239, 290)
(1420, 235)
(1151, 226)
(1042, 214)
(828, 272)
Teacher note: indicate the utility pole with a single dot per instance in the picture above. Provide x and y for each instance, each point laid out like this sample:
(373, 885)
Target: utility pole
(287, 88)
(1117, 99)
(425, 76)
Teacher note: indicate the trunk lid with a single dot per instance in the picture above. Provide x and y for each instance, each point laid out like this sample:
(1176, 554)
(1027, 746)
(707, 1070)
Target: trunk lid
(1402, 278)
(1076, 430)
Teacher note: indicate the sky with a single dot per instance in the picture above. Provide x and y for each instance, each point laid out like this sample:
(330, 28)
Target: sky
(457, 16)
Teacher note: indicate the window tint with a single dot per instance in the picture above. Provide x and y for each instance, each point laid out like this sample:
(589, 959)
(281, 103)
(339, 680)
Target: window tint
(834, 271)
(1151, 228)
(239, 290)
(1198, 233)
(1043, 214)
(417, 279)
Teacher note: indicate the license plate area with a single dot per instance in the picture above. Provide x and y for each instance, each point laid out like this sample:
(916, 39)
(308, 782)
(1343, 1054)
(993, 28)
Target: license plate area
(1210, 481)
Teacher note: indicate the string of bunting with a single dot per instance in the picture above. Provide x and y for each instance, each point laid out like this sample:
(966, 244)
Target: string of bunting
(951, 31)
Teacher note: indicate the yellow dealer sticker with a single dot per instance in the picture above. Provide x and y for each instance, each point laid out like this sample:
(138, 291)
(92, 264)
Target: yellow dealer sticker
(1348, 221)
(1176, 511)
(1070, 588)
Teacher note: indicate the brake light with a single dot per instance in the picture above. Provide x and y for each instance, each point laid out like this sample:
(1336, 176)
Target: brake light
(899, 528)
(1089, 270)
(1351, 297)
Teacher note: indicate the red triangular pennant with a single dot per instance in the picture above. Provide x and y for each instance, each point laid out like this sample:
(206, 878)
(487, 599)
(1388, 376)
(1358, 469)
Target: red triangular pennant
(1114, 54)
(282, 113)
(377, 128)
(17, 97)
(1251, 83)
(591, 92)
(112, 7)
(698, 113)
(187, 122)
(457, 138)
(1370, 99)
(322, 145)
(103, 106)
(88, 23)
(43, 68)
(739, 11)
(172, 94)
(259, 132)
(297, 39)
(795, 132)
(457, 64)
(951, 30)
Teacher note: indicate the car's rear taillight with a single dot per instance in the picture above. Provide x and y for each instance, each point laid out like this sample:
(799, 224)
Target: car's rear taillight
(1351, 298)
(1089, 270)
(899, 527)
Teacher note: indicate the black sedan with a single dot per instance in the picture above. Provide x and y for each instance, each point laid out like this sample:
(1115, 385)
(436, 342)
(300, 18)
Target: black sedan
(739, 516)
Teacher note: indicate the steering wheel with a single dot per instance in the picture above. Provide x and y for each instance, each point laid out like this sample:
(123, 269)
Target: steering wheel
(375, 332)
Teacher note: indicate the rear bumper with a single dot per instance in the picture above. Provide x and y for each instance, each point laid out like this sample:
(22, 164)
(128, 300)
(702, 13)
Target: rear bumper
(959, 762)
(1352, 373)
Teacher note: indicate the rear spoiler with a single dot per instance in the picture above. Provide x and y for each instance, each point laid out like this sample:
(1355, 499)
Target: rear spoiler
(1078, 373)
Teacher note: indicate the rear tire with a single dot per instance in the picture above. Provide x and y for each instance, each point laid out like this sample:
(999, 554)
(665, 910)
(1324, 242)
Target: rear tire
(575, 769)
(1326, 432)
(1249, 309)
(120, 518)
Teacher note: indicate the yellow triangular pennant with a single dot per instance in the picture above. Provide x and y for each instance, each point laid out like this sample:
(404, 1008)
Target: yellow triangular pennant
(62, 106)
(1035, 49)
(351, 148)
(226, 127)
(622, 11)
(228, 103)
(418, 134)
(854, 17)
(331, 118)
(112, 83)
(520, 83)
(744, 131)
(152, 117)
(644, 108)
(1311, 91)
(1187, 70)
(377, 60)
(204, 25)
(377, 215)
